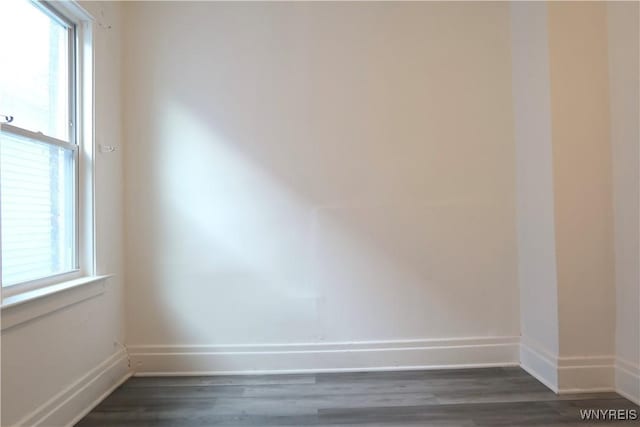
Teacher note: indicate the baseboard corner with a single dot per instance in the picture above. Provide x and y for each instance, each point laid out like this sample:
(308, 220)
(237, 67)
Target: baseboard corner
(540, 365)
(627, 380)
(71, 404)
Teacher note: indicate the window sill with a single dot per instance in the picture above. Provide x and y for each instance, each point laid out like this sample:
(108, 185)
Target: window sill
(23, 307)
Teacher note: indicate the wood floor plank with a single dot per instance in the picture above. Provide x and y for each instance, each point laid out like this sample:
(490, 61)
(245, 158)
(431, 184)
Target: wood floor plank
(220, 380)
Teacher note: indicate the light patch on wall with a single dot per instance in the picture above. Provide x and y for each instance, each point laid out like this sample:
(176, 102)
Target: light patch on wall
(239, 234)
(236, 234)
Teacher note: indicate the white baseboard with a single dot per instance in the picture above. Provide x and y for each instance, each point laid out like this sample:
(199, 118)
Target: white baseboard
(586, 374)
(628, 380)
(71, 404)
(540, 364)
(324, 357)
(563, 375)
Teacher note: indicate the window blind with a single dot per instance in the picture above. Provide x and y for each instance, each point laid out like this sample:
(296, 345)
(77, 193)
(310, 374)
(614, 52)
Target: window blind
(36, 194)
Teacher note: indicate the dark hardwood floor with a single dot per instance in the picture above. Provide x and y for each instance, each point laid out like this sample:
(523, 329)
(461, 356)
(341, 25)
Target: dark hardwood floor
(462, 397)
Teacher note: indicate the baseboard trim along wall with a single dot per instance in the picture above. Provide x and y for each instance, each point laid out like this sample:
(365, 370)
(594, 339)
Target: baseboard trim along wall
(148, 360)
(568, 374)
(628, 380)
(540, 364)
(71, 404)
(586, 374)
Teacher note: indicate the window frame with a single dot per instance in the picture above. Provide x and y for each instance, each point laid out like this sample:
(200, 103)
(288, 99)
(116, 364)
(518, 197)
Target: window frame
(81, 141)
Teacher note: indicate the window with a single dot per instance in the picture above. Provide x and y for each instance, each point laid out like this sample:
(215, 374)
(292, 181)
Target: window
(39, 152)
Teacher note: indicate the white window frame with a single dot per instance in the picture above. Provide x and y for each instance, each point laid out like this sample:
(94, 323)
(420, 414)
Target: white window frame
(81, 141)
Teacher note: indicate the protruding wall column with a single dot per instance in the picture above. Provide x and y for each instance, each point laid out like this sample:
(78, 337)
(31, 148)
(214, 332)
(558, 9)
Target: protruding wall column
(624, 77)
(582, 193)
(564, 186)
(534, 188)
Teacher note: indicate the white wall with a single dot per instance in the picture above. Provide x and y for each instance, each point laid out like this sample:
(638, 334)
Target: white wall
(537, 270)
(582, 177)
(52, 358)
(318, 173)
(625, 113)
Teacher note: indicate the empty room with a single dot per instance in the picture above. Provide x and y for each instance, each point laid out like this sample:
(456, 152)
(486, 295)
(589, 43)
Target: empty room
(314, 213)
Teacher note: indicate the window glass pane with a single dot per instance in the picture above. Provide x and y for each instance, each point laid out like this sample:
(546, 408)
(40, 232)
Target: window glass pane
(37, 202)
(34, 79)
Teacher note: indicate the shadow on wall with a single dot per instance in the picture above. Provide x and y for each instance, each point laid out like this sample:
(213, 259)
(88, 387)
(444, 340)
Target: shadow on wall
(303, 200)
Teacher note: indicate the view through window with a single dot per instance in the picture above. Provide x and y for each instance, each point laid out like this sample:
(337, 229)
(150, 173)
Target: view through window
(38, 151)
